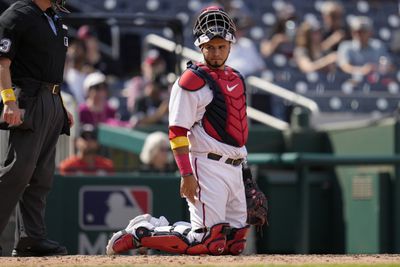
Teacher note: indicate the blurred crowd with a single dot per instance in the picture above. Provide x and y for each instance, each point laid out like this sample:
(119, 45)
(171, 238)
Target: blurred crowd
(329, 42)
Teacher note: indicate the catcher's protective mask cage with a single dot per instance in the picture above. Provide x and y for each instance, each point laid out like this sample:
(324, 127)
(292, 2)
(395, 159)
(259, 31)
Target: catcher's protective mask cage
(60, 5)
(213, 22)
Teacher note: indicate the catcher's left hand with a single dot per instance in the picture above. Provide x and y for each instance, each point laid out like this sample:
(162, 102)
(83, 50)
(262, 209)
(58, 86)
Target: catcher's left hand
(257, 204)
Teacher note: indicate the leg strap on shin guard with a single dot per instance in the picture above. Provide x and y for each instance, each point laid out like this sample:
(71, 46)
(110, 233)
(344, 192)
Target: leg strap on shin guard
(236, 240)
(172, 242)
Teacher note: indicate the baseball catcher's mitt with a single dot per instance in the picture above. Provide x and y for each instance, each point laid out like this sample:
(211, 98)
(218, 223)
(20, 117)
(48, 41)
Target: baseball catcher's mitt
(257, 204)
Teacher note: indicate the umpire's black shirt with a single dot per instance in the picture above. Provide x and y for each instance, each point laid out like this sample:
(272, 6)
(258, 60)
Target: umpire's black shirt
(36, 46)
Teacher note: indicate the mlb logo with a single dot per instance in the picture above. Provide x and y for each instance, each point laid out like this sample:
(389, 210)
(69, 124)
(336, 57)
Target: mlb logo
(112, 207)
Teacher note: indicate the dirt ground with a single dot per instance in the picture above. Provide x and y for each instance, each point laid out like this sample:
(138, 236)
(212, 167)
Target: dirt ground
(78, 260)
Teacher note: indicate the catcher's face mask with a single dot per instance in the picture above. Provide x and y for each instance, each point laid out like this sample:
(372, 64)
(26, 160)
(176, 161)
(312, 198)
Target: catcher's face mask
(60, 5)
(213, 22)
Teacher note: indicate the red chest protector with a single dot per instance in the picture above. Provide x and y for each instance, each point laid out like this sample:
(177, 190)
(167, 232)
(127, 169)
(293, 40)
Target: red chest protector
(225, 118)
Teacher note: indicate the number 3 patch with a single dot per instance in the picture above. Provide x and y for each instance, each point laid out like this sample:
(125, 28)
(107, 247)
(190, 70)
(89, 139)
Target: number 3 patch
(5, 45)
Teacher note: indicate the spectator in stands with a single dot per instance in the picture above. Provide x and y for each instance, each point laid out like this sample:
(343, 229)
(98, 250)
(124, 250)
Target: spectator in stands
(76, 70)
(152, 107)
(156, 153)
(94, 56)
(96, 108)
(230, 7)
(86, 160)
(282, 36)
(153, 65)
(308, 54)
(244, 48)
(334, 28)
(363, 55)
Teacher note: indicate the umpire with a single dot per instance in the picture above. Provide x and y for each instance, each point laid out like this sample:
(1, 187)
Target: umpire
(33, 45)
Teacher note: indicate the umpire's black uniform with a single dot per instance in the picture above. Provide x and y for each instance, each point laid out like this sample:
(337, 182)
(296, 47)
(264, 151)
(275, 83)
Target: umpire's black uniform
(36, 43)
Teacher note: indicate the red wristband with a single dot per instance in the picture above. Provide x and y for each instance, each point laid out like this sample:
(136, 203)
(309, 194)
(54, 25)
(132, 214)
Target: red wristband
(183, 162)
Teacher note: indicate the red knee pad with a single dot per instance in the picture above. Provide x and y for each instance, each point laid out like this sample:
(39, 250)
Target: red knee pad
(213, 243)
(236, 240)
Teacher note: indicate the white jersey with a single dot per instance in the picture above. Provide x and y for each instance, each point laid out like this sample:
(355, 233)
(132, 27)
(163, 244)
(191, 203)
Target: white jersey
(186, 109)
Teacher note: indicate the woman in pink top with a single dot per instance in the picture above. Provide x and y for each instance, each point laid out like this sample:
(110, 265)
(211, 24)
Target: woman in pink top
(96, 109)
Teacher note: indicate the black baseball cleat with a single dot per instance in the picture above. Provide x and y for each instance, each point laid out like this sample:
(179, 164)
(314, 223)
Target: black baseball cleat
(32, 247)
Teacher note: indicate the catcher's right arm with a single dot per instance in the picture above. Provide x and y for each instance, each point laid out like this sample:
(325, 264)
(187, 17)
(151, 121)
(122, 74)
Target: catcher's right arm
(257, 204)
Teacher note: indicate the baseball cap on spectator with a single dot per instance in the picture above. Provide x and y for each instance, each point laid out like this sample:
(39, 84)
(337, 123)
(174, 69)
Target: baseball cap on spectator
(88, 131)
(85, 32)
(152, 57)
(93, 79)
(360, 23)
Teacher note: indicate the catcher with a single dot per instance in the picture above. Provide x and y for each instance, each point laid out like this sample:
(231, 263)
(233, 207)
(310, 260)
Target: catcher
(207, 112)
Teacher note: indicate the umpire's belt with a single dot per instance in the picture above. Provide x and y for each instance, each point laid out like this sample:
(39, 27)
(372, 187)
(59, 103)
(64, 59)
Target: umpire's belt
(52, 87)
(31, 86)
(230, 161)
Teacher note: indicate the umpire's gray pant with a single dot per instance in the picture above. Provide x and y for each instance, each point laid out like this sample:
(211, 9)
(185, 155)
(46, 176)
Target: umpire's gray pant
(26, 173)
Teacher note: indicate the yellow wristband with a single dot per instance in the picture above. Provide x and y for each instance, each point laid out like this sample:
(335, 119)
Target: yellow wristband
(179, 141)
(8, 95)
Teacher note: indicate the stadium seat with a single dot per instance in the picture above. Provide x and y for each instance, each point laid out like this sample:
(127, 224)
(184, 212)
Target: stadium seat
(334, 92)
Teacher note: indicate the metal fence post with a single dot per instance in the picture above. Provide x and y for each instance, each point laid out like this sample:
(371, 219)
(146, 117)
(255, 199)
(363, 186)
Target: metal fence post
(304, 206)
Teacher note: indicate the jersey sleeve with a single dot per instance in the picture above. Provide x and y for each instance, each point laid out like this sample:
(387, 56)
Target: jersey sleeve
(182, 107)
(12, 27)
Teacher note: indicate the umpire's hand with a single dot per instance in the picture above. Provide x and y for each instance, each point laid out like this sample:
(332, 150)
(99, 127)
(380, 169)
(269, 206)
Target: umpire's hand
(12, 113)
(70, 119)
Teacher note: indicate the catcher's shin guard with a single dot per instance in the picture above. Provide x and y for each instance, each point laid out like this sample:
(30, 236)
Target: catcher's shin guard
(175, 241)
(213, 243)
(128, 238)
(121, 242)
(236, 240)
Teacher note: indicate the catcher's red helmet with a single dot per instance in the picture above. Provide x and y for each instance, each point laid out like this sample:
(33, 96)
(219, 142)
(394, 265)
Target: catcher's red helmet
(213, 22)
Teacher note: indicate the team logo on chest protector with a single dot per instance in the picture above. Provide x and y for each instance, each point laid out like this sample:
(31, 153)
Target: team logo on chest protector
(225, 118)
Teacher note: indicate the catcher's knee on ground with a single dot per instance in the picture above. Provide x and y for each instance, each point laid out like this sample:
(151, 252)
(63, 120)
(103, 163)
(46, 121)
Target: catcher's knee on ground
(236, 240)
(172, 239)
